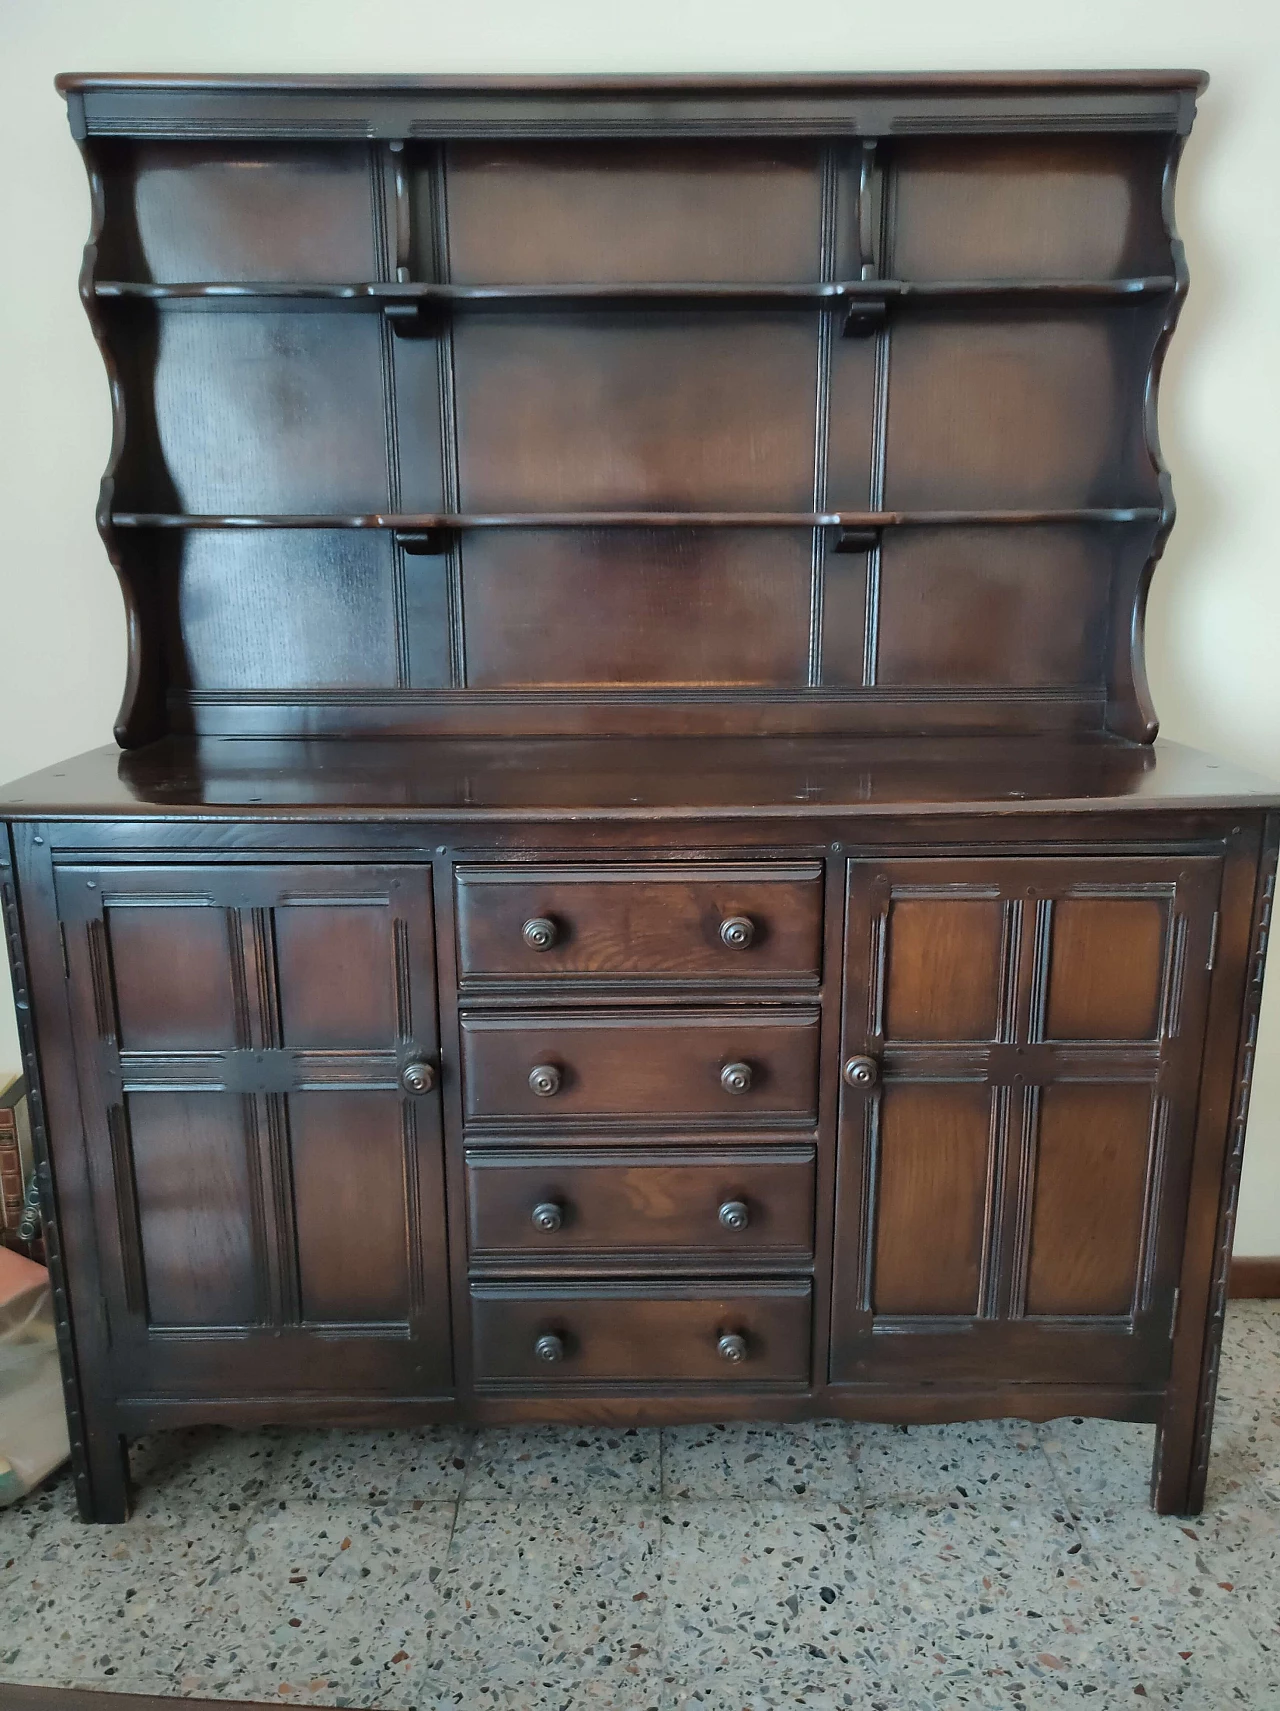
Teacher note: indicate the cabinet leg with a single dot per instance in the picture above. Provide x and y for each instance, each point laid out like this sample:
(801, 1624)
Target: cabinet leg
(100, 1467)
(1178, 1472)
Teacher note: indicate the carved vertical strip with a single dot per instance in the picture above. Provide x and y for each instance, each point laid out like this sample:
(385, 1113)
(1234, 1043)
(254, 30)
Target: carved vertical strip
(827, 221)
(128, 1227)
(287, 1303)
(266, 977)
(875, 501)
(242, 1015)
(1152, 1201)
(104, 1000)
(1229, 1201)
(413, 1212)
(992, 1216)
(1010, 970)
(449, 480)
(1041, 955)
(404, 985)
(879, 969)
(1028, 1165)
(260, 1220)
(865, 1276)
(1174, 979)
(51, 1227)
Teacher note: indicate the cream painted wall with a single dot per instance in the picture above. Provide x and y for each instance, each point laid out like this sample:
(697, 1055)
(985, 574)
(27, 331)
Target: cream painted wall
(1214, 628)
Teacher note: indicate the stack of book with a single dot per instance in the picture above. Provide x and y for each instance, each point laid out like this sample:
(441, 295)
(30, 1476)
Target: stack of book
(19, 1222)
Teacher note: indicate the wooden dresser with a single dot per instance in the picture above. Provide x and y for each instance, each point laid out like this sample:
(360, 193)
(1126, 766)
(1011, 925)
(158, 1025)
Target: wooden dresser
(637, 884)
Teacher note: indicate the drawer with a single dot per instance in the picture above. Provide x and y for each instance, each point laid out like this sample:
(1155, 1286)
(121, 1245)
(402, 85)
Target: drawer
(737, 1067)
(636, 1334)
(536, 1204)
(751, 924)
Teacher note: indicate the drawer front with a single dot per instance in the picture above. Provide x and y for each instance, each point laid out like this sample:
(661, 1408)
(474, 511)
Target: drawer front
(741, 925)
(642, 1066)
(546, 1206)
(641, 1334)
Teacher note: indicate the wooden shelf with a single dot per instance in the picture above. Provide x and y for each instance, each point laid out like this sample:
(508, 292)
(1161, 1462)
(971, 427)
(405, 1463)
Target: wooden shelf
(247, 294)
(414, 522)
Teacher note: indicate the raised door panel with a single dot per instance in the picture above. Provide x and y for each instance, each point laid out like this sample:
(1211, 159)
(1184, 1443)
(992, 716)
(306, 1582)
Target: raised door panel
(270, 1200)
(1013, 1162)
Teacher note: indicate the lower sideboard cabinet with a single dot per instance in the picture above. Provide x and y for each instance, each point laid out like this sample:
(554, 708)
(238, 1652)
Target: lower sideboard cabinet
(911, 1132)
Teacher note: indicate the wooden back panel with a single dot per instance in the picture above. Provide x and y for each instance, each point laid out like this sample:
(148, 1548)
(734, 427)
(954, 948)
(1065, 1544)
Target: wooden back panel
(562, 410)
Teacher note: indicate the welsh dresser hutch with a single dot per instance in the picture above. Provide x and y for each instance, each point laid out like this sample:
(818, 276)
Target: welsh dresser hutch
(637, 883)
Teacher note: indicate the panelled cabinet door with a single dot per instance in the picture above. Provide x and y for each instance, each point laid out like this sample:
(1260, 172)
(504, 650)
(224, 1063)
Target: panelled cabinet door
(266, 1157)
(1020, 1062)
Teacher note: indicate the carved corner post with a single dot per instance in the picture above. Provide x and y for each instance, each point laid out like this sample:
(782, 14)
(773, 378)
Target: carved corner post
(1183, 1435)
(99, 1453)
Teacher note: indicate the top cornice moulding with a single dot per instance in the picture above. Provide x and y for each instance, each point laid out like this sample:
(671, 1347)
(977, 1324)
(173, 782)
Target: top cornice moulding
(985, 82)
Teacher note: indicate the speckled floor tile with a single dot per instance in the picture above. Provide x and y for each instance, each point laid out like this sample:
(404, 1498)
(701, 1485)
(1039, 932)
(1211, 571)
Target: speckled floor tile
(793, 1593)
(1251, 1349)
(986, 1459)
(555, 1692)
(761, 1692)
(1098, 1462)
(810, 1458)
(333, 1603)
(1193, 1600)
(1245, 1453)
(202, 1469)
(514, 1462)
(115, 1607)
(560, 1588)
(559, 1594)
(392, 1465)
(979, 1592)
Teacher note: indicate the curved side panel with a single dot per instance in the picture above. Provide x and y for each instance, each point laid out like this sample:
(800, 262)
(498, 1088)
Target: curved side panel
(1130, 710)
(142, 717)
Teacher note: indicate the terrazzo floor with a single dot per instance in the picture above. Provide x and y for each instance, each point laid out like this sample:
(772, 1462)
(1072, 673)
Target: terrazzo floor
(719, 1568)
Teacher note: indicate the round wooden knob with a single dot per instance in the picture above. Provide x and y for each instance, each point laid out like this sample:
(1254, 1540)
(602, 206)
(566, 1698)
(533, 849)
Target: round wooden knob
(417, 1078)
(734, 1215)
(862, 1072)
(548, 1216)
(545, 1079)
(540, 933)
(732, 1348)
(549, 1347)
(737, 931)
(736, 1078)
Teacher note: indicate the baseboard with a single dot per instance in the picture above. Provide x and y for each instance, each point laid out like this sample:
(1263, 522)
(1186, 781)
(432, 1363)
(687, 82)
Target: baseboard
(98, 1699)
(1255, 1277)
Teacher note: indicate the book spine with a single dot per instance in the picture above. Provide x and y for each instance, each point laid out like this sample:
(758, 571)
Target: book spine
(13, 1187)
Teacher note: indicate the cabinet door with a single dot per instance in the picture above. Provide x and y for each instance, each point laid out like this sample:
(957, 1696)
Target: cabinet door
(1013, 1165)
(269, 1197)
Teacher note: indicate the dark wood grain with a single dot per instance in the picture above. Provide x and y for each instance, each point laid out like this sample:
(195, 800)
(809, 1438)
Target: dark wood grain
(642, 1206)
(723, 511)
(658, 922)
(641, 1334)
(646, 1068)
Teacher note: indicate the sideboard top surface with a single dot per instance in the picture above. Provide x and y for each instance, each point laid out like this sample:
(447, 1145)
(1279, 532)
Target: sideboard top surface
(629, 779)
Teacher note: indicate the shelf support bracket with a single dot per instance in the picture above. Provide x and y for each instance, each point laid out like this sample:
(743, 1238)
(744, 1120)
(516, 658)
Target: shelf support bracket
(864, 317)
(425, 543)
(856, 540)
